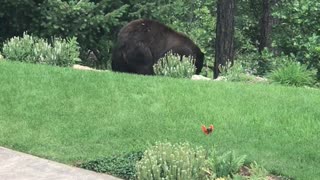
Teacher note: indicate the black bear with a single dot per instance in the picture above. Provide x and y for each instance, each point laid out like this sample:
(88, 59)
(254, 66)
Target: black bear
(141, 43)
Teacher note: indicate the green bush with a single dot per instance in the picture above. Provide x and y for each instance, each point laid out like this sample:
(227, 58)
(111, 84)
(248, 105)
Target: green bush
(175, 161)
(20, 49)
(235, 73)
(122, 166)
(178, 161)
(175, 66)
(249, 62)
(298, 31)
(228, 164)
(293, 73)
(262, 63)
(64, 52)
(36, 50)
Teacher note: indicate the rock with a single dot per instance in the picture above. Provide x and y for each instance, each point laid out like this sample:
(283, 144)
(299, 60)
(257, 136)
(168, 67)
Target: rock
(220, 78)
(260, 79)
(200, 77)
(80, 67)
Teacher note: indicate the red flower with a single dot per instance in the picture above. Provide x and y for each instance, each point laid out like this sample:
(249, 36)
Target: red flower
(208, 130)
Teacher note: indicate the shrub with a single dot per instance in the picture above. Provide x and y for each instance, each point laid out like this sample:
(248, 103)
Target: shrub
(19, 49)
(122, 166)
(257, 171)
(249, 62)
(167, 161)
(293, 73)
(235, 73)
(228, 164)
(175, 66)
(36, 50)
(64, 52)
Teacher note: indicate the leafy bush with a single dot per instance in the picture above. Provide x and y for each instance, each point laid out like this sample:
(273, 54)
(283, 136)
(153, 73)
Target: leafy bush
(262, 63)
(36, 50)
(178, 161)
(293, 73)
(235, 73)
(20, 49)
(175, 66)
(228, 164)
(64, 52)
(298, 31)
(268, 61)
(122, 166)
(257, 171)
(175, 161)
(249, 61)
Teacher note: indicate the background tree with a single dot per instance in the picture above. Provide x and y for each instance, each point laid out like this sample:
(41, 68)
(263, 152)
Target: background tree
(267, 21)
(224, 34)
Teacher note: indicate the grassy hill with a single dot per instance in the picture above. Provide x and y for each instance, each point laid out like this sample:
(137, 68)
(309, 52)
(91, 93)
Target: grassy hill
(73, 116)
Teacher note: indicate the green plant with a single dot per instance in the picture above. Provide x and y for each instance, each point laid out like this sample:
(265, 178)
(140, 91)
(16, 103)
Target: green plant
(294, 74)
(20, 49)
(235, 73)
(122, 166)
(257, 172)
(268, 61)
(249, 62)
(177, 161)
(175, 66)
(36, 50)
(228, 164)
(64, 52)
(298, 31)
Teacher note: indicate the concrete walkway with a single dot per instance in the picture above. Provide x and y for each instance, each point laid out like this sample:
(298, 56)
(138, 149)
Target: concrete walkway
(19, 166)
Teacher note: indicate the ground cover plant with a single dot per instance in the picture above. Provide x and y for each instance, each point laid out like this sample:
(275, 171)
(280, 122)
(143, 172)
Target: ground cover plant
(75, 116)
(120, 165)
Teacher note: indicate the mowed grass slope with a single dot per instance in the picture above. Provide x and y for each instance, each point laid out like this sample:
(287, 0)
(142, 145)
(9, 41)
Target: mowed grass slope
(73, 116)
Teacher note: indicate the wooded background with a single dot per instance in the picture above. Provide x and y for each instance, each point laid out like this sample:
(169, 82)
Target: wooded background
(225, 30)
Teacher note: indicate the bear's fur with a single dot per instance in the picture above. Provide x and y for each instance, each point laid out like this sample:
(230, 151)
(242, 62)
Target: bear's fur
(141, 43)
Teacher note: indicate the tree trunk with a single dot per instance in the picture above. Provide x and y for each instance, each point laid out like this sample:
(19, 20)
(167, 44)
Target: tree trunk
(224, 34)
(266, 24)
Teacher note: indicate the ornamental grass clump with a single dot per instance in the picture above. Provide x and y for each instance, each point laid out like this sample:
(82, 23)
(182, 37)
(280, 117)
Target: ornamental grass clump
(178, 161)
(293, 74)
(175, 66)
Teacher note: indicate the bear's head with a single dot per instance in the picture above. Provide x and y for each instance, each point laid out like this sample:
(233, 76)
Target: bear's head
(199, 60)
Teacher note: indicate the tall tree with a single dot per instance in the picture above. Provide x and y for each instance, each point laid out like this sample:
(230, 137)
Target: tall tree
(267, 22)
(224, 34)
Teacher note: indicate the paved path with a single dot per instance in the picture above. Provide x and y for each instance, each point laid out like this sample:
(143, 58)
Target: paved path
(19, 166)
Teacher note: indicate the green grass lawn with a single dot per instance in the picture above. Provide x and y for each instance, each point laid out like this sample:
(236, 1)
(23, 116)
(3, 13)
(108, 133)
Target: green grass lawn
(73, 116)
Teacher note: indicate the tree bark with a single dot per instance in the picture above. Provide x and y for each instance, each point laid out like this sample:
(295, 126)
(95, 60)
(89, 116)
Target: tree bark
(224, 34)
(266, 24)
